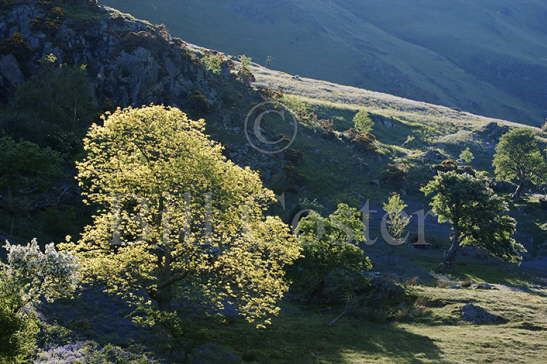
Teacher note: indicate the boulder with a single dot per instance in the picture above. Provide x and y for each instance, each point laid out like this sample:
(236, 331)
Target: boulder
(479, 316)
(483, 286)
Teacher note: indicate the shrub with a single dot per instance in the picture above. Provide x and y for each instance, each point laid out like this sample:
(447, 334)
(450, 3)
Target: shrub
(245, 62)
(397, 220)
(447, 165)
(16, 45)
(383, 299)
(60, 104)
(332, 261)
(17, 336)
(213, 62)
(395, 173)
(363, 122)
(91, 353)
(467, 156)
(29, 276)
(365, 141)
(198, 104)
(24, 166)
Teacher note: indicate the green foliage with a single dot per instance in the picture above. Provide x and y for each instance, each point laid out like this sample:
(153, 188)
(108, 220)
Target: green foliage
(519, 158)
(213, 62)
(477, 214)
(25, 169)
(16, 45)
(330, 246)
(363, 122)
(198, 104)
(397, 221)
(50, 23)
(29, 276)
(467, 156)
(17, 336)
(245, 62)
(177, 219)
(57, 105)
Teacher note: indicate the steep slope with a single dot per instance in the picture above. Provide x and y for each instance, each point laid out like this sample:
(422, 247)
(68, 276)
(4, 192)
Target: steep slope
(486, 57)
(129, 62)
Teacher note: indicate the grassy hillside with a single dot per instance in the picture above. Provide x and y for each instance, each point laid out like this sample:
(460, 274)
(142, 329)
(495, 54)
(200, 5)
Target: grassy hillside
(487, 57)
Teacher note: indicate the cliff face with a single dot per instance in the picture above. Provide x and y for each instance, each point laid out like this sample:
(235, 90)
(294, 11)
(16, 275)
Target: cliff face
(129, 61)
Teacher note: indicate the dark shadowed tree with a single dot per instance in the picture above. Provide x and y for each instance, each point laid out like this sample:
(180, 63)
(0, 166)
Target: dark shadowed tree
(25, 169)
(477, 214)
(519, 159)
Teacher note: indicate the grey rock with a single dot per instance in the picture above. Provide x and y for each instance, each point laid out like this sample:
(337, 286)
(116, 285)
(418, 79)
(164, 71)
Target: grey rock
(483, 286)
(478, 315)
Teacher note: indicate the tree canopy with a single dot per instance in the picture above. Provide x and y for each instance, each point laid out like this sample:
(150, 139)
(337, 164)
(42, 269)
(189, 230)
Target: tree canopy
(519, 158)
(477, 214)
(329, 244)
(176, 219)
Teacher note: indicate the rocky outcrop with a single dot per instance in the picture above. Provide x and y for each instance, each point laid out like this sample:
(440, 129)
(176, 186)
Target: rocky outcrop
(130, 62)
(491, 133)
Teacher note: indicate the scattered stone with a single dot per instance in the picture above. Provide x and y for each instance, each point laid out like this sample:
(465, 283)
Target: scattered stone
(375, 182)
(483, 286)
(479, 316)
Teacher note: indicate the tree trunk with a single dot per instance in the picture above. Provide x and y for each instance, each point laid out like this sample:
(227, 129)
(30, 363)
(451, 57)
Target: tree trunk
(518, 192)
(164, 298)
(448, 264)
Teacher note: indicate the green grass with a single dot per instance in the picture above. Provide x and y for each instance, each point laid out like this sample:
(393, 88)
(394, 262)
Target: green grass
(479, 271)
(438, 335)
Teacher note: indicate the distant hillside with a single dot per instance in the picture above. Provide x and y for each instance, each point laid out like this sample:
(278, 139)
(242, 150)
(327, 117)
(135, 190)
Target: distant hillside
(488, 57)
